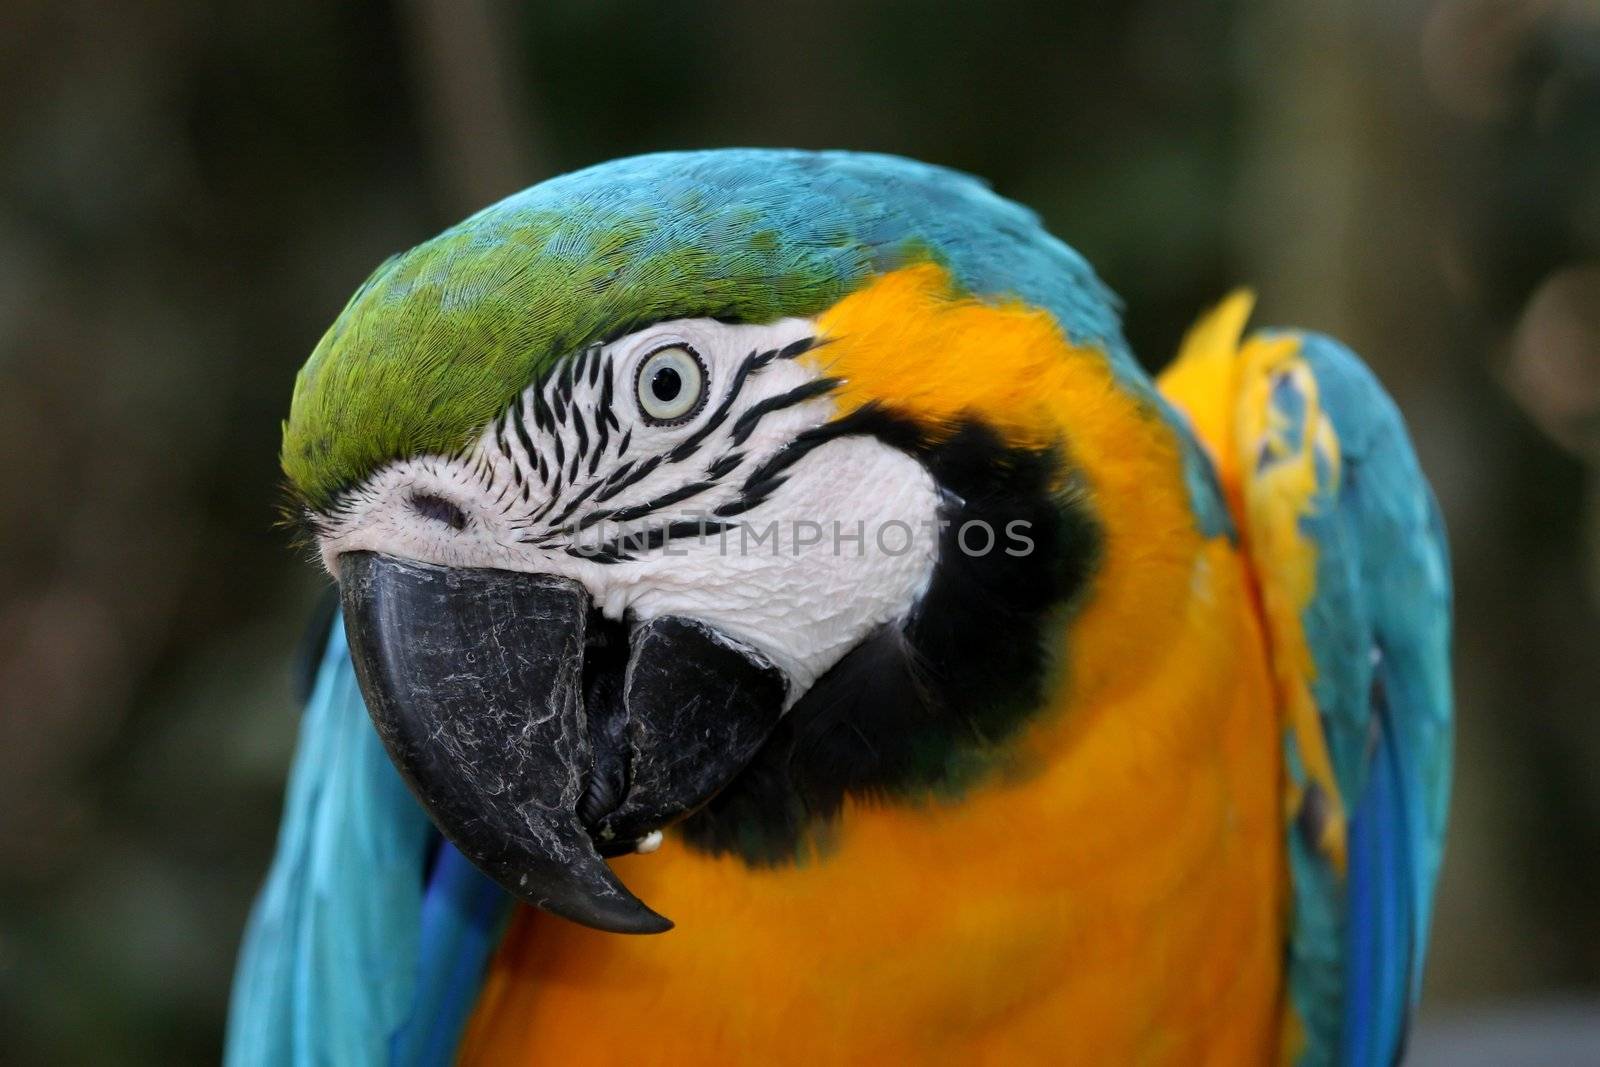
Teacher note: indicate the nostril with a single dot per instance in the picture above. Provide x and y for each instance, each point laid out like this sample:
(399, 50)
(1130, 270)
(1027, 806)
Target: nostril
(437, 508)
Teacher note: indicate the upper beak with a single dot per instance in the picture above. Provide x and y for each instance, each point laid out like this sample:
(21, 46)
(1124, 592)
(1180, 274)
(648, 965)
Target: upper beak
(532, 757)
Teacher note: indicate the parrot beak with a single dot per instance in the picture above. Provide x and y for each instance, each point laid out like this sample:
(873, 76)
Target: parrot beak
(540, 737)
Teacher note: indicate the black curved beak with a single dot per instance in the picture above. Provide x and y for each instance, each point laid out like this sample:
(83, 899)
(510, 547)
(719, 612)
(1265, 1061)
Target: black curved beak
(540, 738)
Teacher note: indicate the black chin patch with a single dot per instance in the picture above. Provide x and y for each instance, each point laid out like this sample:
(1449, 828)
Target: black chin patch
(923, 708)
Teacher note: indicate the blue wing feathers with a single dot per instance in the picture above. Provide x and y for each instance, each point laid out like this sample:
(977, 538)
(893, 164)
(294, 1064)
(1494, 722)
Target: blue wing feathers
(1381, 917)
(345, 940)
(463, 914)
(1379, 631)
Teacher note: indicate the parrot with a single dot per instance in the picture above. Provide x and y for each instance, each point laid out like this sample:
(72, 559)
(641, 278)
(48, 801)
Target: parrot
(778, 620)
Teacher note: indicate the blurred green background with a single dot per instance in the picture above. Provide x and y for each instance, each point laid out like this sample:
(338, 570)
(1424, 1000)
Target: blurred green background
(191, 191)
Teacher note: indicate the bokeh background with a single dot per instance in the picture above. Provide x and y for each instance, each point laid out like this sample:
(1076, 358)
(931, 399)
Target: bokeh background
(191, 190)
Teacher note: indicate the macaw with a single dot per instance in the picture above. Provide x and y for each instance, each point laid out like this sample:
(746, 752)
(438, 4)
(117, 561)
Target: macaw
(782, 554)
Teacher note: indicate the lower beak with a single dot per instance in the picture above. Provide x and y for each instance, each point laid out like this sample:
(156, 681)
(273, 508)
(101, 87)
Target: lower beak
(539, 737)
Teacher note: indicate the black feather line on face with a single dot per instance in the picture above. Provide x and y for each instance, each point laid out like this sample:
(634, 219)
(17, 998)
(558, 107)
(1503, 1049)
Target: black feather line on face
(615, 485)
(752, 495)
(582, 431)
(628, 475)
(500, 432)
(615, 482)
(602, 411)
(718, 468)
(923, 707)
(542, 417)
(623, 546)
(564, 378)
(737, 507)
(746, 423)
(635, 512)
(480, 464)
(593, 517)
(596, 555)
(576, 503)
(554, 406)
(556, 485)
(748, 366)
(520, 428)
(868, 420)
(799, 348)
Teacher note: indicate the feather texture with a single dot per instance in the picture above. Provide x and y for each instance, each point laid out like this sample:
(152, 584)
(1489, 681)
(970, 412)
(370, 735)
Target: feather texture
(1349, 551)
(463, 913)
(349, 956)
(440, 338)
(1135, 843)
(1109, 890)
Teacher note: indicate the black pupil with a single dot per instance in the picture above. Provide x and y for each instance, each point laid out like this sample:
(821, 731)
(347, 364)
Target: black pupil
(665, 384)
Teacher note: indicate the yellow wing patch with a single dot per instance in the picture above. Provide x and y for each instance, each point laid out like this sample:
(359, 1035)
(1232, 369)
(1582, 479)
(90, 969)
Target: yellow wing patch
(1274, 460)
(1268, 465)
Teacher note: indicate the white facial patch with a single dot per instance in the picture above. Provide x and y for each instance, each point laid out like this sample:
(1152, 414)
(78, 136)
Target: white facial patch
(752, 513)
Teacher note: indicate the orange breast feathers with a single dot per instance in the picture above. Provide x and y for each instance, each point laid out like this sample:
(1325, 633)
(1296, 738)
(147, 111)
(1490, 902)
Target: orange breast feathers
(1115, 895)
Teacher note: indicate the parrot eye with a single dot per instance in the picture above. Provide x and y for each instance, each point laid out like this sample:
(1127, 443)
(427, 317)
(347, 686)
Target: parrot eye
(671, 385)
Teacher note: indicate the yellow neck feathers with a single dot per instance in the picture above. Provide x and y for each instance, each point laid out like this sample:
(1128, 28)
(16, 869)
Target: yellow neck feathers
(1117, 897)
(906, 341)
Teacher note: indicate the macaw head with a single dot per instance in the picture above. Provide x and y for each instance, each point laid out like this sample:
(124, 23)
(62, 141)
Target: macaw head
(709, 486)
